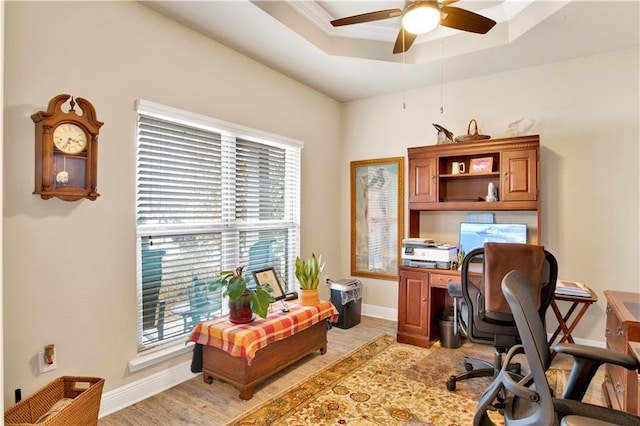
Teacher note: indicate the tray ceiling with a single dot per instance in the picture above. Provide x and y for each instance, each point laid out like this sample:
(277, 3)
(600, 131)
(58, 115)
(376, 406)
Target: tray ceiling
(354, 62)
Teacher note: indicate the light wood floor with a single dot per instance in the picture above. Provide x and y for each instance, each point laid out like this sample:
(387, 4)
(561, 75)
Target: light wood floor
(197, 403)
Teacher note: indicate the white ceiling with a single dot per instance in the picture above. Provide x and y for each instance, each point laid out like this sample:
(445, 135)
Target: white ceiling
(355, 61)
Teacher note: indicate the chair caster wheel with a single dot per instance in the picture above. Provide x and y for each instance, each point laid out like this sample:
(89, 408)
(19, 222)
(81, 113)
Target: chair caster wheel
(451, 383)
(468, 366)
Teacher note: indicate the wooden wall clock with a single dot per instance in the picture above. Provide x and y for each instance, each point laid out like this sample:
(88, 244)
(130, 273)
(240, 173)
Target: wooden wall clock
(66, 150)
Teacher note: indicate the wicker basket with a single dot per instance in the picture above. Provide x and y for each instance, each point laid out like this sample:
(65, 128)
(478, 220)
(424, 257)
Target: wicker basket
(472, 136)
(83, 410)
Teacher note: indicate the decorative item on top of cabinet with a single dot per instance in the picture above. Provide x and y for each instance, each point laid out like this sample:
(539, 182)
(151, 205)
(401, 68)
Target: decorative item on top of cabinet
(66, 150)
(444, 135)
(475, 136)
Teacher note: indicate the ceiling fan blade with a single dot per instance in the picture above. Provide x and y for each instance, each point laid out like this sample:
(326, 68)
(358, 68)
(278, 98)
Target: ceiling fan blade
(404, 41)
(460, 19)
(367, 17)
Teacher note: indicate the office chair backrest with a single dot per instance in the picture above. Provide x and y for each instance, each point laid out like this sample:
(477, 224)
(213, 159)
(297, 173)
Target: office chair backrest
(525, 405)
(501, 258)
(530, 326)
(487, 314)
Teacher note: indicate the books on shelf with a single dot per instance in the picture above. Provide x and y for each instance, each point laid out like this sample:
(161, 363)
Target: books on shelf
(572, 288)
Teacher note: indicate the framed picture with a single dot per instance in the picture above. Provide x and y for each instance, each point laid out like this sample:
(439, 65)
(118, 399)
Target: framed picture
(269, 276)
(377, 217)
(481, 165)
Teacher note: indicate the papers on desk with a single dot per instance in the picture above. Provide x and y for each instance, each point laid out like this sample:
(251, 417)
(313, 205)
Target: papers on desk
(418, 241)
(572, 288)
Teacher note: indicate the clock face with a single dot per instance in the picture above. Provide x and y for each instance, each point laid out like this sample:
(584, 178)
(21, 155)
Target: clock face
(70, 138)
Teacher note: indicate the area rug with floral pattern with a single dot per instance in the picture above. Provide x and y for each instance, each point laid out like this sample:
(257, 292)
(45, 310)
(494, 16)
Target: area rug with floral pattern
(381, 383)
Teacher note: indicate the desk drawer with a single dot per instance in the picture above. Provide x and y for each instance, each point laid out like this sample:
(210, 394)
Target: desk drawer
(442, 280)
(616, 332)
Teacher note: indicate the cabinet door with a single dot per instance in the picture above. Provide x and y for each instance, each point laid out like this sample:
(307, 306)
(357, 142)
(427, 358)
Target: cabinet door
(422, 180)
(413, 308)
(519, 175)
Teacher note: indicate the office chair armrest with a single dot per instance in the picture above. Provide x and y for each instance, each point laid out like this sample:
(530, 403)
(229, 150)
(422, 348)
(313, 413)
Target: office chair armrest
(604, 356)
(583, 421)
(587, 361)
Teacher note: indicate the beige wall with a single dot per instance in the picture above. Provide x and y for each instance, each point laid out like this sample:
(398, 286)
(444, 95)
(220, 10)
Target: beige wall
(69, 274)
(586, 112)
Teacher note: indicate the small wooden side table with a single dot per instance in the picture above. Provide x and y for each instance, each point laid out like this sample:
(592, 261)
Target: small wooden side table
(567, 322)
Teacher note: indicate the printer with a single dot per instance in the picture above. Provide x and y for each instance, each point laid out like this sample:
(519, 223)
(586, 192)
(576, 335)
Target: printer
(424, 253)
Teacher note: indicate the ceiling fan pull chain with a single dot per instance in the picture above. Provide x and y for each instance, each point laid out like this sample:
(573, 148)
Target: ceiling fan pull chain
(441, 74)
(404, 71)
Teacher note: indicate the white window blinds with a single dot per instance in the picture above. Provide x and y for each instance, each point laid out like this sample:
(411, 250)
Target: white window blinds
(210, 196)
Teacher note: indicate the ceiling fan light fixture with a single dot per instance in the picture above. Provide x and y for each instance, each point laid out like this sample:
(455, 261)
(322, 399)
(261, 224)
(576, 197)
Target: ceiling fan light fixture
(420, 18)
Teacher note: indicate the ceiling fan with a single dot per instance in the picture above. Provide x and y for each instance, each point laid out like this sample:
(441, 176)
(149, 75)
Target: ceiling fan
(422, 16)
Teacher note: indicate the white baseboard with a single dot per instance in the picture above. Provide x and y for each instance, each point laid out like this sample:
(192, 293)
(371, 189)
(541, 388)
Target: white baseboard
(586, 342)
(129, 394)
(390, 314)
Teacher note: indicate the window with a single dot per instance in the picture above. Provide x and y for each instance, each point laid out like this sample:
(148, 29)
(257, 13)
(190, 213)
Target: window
(210, 196)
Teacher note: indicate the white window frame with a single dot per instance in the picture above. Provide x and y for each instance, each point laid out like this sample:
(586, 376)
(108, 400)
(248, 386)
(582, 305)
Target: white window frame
(228, 226)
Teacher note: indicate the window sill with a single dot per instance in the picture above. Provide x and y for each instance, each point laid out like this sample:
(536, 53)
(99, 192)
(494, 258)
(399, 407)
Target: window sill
(158, 356)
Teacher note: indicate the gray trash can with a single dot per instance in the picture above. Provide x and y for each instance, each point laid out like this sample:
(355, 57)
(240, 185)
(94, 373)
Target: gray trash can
(449, 338)
(346, 296)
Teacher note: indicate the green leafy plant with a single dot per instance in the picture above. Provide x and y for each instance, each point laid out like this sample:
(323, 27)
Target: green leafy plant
(234, 284)
(308, 271)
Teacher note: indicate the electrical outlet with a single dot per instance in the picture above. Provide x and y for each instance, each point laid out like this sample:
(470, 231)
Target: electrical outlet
(44, 367)
(327, 280)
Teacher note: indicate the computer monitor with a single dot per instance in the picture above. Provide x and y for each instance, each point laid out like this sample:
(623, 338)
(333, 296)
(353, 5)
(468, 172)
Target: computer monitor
(474, 235)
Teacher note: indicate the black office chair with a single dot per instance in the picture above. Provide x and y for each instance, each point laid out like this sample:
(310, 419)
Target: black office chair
(151, 284)
(529, 400)
(484, 315)
(261, 256)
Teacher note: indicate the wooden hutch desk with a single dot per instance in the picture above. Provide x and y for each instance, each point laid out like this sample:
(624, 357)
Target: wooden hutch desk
(434, 189)
(423, 294)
